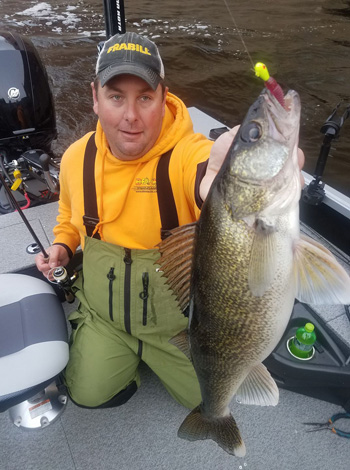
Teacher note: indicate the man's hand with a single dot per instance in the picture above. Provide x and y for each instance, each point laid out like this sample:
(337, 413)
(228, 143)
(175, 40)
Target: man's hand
(58, 256)
(217, 156)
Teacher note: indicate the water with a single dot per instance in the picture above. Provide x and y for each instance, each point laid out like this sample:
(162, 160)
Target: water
(306, 46)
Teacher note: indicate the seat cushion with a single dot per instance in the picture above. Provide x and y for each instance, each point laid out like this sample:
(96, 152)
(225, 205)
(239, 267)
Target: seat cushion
(33, 333)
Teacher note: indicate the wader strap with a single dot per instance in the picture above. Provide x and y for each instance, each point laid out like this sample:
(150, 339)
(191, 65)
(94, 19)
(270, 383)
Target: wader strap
(90, 219)
(166, 201)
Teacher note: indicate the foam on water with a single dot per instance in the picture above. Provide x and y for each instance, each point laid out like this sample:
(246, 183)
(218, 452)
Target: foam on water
(60, 19)
(44, 11)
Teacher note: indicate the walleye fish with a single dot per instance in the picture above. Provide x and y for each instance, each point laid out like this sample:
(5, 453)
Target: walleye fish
(249, 264)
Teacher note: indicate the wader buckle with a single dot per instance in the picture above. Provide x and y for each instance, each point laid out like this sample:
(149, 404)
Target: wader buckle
(90, 221)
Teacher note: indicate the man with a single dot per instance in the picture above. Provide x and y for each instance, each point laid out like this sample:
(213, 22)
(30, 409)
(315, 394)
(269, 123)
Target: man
(142, 173)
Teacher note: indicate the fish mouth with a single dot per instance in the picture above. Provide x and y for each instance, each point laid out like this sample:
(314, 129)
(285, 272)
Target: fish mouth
(283, 121)
(291, 100)
(282, 117)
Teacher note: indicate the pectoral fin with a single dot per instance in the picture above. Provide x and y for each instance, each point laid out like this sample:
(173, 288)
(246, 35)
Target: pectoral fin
(181, 341)
(176, 261)
(258, 388)
(263, 259)
(319, 277)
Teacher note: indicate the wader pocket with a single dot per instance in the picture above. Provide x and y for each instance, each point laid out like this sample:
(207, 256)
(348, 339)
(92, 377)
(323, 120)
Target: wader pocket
(144, 297)
(76, 320)
(163, 315)
(111, 277)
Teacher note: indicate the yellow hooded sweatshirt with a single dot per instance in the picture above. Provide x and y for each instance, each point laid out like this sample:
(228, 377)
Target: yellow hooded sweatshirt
(126, 190)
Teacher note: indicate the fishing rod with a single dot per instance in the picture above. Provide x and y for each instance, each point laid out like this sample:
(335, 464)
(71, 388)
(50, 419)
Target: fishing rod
(24, 218)
(114, 17)
(60, 274)
(114, 13)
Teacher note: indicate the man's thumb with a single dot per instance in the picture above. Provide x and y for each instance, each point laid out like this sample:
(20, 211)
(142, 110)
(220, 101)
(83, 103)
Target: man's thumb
(53, 261)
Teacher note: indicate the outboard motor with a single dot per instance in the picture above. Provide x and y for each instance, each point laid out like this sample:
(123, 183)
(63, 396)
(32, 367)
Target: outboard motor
(27, 124)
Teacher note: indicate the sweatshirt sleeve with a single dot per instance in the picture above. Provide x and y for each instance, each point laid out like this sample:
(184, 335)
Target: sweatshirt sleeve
(67, 233)
(188, 168)
(196, 154)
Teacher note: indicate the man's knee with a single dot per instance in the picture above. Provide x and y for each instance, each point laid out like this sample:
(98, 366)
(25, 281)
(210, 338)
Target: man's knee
(87, 401)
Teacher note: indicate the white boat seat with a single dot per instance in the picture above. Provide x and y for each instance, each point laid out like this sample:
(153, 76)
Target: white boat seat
(33, 337)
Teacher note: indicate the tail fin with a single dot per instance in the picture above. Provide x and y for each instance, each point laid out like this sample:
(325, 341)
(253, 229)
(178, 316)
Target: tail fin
(224, 431)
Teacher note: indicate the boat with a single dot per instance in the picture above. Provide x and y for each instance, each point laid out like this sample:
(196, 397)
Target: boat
(142, 433)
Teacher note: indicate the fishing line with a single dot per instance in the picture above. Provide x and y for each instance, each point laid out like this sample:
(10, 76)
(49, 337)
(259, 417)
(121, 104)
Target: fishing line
(260, 69)
(239, 34)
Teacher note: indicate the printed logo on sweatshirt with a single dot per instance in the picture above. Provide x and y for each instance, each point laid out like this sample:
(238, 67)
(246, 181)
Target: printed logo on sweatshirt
(145, 185)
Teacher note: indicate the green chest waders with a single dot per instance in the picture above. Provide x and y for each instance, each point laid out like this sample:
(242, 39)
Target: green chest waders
(126, 313)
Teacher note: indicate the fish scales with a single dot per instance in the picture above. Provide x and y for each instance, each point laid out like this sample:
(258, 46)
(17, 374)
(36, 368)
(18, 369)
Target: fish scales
(229, 311)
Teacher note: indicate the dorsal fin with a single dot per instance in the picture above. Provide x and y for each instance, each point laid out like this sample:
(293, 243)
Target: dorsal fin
(176, 261)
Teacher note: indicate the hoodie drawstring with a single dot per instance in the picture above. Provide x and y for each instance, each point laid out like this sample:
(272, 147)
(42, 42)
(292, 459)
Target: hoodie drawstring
(100, 208)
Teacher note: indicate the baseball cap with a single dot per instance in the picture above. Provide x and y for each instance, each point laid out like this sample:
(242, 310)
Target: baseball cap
(132, 54)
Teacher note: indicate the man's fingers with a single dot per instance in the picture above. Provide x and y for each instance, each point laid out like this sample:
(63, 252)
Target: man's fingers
(301, 158)
(301, 161)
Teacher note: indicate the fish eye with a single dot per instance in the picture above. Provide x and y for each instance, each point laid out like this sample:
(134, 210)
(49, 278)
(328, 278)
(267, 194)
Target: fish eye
(251, 132)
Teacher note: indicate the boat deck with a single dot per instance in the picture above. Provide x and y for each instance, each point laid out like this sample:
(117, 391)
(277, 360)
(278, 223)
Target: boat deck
(141, 435)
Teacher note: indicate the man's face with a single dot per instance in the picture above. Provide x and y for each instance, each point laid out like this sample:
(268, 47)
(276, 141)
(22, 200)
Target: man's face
(131, 115)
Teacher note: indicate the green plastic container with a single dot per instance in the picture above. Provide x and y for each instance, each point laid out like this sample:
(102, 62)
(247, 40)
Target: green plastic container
(301, 345)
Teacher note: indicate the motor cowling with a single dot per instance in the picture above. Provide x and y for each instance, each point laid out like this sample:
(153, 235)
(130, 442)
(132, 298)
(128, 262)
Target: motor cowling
(27, 114)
